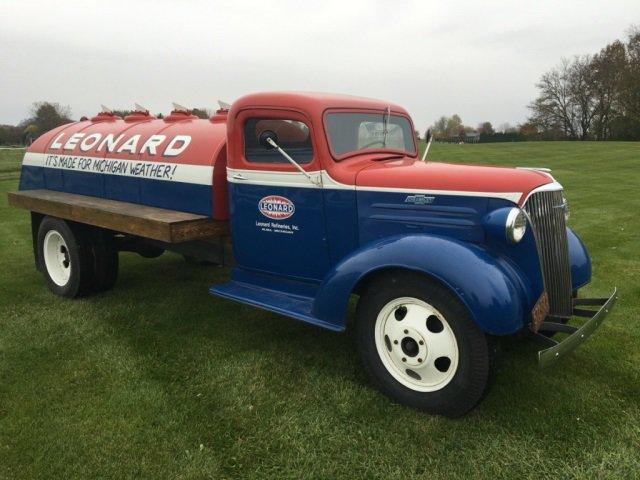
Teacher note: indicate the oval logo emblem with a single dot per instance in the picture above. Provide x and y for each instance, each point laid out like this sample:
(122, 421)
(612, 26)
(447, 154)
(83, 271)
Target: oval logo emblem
(276, 207)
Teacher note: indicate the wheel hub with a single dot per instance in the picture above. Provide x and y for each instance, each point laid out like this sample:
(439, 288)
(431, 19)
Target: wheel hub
(56, 257)
(416, 344)
(409, 347)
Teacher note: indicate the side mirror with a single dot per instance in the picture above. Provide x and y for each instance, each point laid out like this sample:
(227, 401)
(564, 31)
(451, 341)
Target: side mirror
(264, 139)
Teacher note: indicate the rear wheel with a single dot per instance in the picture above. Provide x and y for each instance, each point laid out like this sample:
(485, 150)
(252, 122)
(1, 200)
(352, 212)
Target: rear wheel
(420, 346)
(105, 258)
(65, 258)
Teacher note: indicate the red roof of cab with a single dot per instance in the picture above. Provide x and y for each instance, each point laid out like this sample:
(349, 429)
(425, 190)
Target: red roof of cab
(311, 102)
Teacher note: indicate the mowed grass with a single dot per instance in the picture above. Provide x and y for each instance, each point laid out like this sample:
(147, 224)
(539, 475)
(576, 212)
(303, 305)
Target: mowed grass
(10, 160)
(157, 379)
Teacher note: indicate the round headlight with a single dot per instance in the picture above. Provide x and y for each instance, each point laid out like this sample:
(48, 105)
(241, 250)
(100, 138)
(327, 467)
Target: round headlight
(516, 225)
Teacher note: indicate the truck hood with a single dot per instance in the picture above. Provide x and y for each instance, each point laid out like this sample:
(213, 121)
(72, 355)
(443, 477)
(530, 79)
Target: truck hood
(414, 176)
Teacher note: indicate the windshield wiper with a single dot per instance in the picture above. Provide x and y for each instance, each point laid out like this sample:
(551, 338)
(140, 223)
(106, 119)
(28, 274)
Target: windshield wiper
(385, 122)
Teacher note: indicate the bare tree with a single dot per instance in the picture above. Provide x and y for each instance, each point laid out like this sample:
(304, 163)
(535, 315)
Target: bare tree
(592, 97)
(629, 121)
(554, 106)
(582, 95)
(607, 71)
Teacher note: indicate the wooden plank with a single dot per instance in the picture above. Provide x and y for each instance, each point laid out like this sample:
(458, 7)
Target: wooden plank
(169, 226)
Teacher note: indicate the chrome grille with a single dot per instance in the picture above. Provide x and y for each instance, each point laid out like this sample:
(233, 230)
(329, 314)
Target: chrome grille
(546, 211)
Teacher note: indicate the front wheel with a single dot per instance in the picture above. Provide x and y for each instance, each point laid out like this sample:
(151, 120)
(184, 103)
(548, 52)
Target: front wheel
(420, 346)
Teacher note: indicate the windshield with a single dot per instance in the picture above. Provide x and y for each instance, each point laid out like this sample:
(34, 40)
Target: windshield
(354, 132)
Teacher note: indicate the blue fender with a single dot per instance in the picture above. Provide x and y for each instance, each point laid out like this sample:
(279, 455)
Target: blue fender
(492, 288)
(580, 261)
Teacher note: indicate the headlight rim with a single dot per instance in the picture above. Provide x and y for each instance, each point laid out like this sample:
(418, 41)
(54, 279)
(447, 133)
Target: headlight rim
(516, 222)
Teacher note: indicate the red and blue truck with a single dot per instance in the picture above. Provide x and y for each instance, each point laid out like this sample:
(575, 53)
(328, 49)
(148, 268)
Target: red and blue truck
(313, 199)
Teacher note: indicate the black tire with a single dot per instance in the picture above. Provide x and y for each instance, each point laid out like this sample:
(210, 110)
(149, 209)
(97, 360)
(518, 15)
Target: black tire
(78, 254)
(469, 382)
(105, 258)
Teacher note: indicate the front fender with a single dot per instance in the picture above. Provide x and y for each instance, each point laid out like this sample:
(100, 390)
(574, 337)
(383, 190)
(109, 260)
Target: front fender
(490, 286)
(580, 261)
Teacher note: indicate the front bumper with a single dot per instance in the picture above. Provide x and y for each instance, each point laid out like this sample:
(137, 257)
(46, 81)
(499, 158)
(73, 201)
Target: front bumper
(555, 350)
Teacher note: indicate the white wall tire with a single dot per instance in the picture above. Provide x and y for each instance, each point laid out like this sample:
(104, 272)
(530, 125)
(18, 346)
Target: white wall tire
(408, 371)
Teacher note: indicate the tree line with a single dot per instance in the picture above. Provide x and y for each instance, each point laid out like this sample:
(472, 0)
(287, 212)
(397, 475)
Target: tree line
(592, 96)
(588, 97)
(44, 116)
(452, 129)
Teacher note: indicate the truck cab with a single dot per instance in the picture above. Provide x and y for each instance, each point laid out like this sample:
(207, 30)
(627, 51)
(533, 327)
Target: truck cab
(326, 198)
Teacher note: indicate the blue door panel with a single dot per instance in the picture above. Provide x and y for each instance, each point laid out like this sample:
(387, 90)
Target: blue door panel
(342, 223)
(295, 246)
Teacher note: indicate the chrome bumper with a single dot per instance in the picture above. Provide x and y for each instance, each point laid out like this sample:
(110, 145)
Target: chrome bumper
(556, 350)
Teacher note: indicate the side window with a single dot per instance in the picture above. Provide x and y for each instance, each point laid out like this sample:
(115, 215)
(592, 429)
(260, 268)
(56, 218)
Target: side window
(292, 136)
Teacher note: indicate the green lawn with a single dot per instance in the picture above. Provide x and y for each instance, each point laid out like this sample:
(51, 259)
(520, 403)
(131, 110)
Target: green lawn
(10, 159)
(157, 379)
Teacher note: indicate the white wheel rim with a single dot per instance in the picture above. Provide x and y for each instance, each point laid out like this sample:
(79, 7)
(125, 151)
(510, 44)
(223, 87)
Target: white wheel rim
(416, 344)
(56, 258)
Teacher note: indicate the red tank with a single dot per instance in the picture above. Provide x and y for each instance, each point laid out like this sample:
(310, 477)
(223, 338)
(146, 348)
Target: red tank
(177, 163)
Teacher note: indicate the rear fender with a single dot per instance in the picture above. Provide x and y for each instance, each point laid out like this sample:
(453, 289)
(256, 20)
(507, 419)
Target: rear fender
(491, 287)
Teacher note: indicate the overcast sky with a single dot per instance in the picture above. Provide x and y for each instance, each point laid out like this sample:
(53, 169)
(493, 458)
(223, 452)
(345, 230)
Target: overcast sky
(478, 59)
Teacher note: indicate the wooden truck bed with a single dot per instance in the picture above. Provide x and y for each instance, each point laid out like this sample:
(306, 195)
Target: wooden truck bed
(168, 226)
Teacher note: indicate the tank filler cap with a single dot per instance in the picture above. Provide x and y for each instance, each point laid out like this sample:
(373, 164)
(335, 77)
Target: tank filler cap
(179, 113)
(220, 116)
(139, 114)
(105, 115)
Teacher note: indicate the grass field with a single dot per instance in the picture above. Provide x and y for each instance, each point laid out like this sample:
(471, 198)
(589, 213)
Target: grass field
(157, 379)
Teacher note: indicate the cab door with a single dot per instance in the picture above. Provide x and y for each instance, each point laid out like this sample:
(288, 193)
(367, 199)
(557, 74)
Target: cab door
(277, 213)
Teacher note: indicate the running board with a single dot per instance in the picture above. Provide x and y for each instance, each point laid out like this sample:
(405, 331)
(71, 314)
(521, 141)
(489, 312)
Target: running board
(298, 307)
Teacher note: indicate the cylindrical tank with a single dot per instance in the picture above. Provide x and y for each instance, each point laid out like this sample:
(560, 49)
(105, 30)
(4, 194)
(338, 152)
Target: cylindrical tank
(177, 163)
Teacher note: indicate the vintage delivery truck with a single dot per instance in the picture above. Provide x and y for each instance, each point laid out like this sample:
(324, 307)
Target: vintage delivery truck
(322, 197)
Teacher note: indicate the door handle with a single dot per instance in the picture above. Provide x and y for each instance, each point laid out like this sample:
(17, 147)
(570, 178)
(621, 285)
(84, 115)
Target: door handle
(238, 176)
